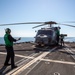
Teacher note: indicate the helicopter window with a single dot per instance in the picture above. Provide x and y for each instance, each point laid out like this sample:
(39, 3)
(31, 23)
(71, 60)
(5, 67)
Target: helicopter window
(46, 32)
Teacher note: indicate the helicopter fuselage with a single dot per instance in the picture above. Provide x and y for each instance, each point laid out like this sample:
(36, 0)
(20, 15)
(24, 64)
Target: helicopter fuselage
(46, 36)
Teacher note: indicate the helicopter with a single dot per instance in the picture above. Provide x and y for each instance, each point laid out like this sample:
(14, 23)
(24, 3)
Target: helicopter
(49, 35)
(44, 36)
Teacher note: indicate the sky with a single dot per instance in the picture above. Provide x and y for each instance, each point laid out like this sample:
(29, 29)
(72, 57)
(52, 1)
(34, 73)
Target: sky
(16, 11)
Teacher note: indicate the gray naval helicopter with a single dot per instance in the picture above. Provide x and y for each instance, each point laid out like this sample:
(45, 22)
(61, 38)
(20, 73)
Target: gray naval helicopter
(48, 35)
(45, 36)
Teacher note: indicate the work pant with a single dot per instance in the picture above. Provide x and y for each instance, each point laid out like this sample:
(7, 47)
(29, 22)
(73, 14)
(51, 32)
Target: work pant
(62, 42)
(10, 55)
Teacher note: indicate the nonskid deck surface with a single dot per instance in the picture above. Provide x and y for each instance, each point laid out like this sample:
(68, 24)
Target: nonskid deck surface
(31, 60)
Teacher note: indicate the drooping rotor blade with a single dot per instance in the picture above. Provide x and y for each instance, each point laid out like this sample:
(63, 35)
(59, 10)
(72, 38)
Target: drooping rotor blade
(21, 23)
(39, 25)
(67, 25)
(69, 22)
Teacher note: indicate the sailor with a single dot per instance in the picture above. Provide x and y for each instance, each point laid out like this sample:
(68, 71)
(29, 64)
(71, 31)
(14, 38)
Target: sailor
(9, 48)
(62, 39)
(57, 33)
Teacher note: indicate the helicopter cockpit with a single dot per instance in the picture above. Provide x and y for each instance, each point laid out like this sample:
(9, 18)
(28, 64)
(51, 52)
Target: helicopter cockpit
(45, 32)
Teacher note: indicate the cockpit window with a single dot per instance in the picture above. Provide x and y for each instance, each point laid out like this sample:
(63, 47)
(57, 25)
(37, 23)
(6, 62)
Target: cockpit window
(45, 32)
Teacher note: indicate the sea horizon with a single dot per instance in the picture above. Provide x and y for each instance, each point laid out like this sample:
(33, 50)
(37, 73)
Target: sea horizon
(28, 39)
(23, 39)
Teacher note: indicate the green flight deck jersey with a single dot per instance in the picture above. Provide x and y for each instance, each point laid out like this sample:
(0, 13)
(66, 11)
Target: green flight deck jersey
(8, 42)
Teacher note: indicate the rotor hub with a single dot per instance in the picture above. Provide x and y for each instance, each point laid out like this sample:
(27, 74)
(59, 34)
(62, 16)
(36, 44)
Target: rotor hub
(51, 22)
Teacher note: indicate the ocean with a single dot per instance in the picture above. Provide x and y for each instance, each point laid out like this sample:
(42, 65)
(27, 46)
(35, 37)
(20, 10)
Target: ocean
(27, 39)
(69, 39)
(23, 39)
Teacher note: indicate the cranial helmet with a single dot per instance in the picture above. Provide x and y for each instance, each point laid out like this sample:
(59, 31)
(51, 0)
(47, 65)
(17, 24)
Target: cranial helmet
(7, 30)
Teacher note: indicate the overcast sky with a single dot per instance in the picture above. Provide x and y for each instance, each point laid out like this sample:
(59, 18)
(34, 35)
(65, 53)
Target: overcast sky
(13, 11)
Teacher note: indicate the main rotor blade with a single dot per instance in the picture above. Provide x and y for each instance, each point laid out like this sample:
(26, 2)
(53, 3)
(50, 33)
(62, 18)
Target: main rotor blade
(69, 22)
(21, 23)
(39, 25)
(67, 25)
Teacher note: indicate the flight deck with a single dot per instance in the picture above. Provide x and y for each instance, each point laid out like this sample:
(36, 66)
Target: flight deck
(31, 60)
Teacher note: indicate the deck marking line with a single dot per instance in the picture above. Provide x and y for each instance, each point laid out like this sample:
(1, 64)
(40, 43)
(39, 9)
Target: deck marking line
(24, 58)
(18, 55)
(22, 63)
(68, 50)
(57, 61)
(32, 62)
(3, 53)
(33, 67)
